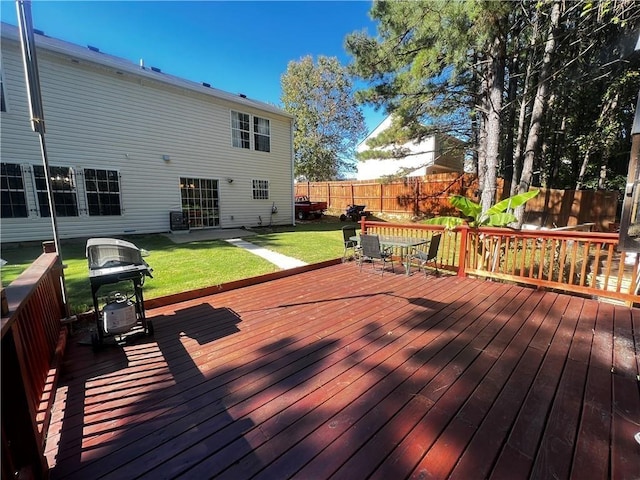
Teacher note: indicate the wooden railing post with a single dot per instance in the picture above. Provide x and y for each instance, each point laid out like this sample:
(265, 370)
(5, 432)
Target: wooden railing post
(363, 225)
(462, 254)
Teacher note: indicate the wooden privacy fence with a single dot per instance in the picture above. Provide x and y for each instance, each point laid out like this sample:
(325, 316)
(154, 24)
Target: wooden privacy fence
(412, 195)
(429, 196)
(32, 342)
(586, 263)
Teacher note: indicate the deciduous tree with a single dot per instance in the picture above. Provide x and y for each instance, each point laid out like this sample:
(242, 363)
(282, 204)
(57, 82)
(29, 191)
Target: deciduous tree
(328, 122)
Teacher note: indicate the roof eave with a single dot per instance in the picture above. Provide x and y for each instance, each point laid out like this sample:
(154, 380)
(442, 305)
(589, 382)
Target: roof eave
(61, 47)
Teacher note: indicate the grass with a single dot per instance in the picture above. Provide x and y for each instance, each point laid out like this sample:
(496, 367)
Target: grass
(183, 267)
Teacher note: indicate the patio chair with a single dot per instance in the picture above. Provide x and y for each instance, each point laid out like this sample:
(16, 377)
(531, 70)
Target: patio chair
(349, 244)
(429, 256)
(372, 251)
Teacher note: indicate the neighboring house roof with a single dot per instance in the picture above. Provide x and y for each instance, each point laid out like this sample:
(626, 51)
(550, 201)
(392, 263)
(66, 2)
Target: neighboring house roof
(382, 126)
(93, 55)
(427, 157)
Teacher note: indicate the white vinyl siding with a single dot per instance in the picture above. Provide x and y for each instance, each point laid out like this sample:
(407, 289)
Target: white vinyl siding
(98, 119)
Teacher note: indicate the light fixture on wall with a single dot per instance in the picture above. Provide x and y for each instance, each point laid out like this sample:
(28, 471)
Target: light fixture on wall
(229, 180)
(166, 158)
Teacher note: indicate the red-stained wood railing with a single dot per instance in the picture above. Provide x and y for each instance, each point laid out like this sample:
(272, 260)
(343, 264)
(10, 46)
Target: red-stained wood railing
(449, 252)
(586, 263)
(32, 340)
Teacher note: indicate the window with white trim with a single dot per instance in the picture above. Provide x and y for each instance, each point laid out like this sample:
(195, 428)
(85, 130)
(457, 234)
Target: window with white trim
(240, 132)
(13, 201)
(261, 134)
(63, 188)
(103, 192)
(248, 131)
(3, 103)
(261, 189)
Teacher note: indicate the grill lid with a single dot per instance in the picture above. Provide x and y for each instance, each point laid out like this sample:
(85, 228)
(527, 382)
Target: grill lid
(112, 252)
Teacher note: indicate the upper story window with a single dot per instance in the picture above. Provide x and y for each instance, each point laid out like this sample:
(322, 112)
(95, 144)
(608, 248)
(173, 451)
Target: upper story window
(63, 187)
(3, 103)
(240, 130)
(261, 134)
(13, 202)
(103, 191)
(261, 189)
(248, 133)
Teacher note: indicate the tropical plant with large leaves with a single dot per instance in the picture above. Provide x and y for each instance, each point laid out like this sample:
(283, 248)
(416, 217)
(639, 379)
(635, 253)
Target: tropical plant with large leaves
(499, 215)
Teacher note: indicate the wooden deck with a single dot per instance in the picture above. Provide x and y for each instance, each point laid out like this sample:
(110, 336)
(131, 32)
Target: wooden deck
(339, 374)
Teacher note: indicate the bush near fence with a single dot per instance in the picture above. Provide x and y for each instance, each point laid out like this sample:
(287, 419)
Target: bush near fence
(428, 196)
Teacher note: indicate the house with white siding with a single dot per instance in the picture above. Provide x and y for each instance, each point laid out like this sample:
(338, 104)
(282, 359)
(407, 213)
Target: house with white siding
(434, 154)
(128, 144)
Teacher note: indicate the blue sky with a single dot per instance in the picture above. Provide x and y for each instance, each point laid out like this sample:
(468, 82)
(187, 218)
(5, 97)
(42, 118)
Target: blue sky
(239, 46)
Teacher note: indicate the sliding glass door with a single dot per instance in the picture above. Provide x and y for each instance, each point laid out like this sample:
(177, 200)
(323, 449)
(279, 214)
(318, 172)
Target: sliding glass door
(200, 201)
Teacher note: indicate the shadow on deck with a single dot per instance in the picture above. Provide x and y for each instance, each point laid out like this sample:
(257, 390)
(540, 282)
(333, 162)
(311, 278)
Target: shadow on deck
(341, 374)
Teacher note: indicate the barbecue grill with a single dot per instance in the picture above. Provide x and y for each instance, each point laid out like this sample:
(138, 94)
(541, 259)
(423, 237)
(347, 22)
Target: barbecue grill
(112, 261)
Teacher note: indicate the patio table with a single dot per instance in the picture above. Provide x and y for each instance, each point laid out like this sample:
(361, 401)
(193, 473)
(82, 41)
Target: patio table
(403, 243)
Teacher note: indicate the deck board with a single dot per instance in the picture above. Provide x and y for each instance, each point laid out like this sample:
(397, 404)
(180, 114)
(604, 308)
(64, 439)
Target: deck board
(339, 374)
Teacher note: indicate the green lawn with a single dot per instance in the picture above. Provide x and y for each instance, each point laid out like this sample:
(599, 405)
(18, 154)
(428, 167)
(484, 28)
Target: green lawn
(182, 267)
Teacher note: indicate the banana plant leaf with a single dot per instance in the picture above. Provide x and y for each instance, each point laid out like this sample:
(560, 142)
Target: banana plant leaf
(447, 222)
(468, 207)
(512, 202)
(500, 219)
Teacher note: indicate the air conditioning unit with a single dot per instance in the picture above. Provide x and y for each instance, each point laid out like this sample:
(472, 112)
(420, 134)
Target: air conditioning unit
(178, 221)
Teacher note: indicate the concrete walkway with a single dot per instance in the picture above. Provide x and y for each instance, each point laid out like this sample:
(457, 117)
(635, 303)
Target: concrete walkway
(278, 259)
(232, 236)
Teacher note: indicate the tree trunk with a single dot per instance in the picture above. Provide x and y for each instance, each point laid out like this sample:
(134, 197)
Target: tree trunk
(507, 159)
(522, 116)
(583, 167)
(606, 109)
(482, 151)
(603, 177)
(495, 89)
(539, 105)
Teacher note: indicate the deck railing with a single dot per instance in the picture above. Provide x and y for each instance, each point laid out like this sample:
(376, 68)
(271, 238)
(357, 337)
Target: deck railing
(32, 339)
(587, 263)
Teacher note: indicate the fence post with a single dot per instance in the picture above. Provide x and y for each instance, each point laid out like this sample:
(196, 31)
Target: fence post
(462, 254)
